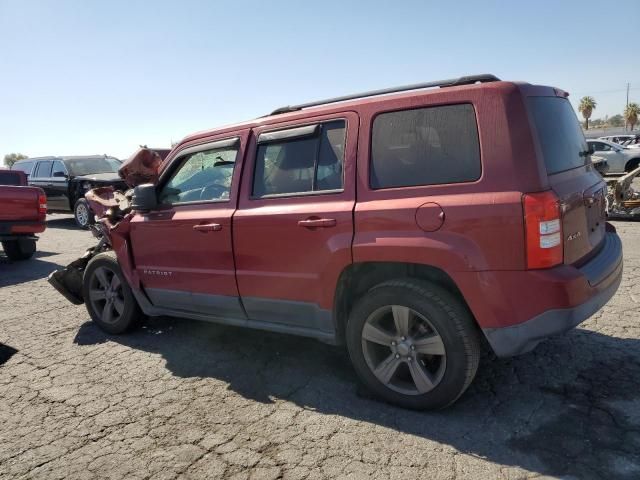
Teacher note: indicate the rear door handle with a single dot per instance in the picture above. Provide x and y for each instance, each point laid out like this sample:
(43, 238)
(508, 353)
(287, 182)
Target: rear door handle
(317, 222)
(208, 227)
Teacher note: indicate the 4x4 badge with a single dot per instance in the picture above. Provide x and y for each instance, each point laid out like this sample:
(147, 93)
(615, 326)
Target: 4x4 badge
(573, 236)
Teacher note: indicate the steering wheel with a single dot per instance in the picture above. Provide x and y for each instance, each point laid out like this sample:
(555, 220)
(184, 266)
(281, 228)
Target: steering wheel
(213, 190)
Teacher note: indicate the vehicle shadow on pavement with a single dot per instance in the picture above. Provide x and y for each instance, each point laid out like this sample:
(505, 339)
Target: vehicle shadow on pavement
(571, 407)
(62, 223)
(13, 273)
(6, 352)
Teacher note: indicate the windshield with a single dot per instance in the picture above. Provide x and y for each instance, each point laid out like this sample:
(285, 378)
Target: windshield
(86, 166)
(559, 133)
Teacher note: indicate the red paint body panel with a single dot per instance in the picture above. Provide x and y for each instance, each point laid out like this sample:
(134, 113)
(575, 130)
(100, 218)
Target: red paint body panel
(170, 254)
(20, 205)
(279, 259)
(474, 231)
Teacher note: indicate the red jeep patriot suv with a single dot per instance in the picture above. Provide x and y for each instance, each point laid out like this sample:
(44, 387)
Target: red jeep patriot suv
(407, 223)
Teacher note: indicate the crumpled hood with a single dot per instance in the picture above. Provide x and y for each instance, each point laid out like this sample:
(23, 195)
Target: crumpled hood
(100, 177)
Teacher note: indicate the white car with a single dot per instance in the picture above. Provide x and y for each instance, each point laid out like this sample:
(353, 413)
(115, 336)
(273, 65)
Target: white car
(620, 159)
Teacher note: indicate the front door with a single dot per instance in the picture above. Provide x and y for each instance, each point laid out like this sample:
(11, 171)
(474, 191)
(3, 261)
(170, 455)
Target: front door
(183, 250)
(294, 224)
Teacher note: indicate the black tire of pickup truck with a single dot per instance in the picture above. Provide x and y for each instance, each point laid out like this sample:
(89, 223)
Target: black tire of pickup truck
(82, 214)
(433, 312)
(103, 281)
(19, 249)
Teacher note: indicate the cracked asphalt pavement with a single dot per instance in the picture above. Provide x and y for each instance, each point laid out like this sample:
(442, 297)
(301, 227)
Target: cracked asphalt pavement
(179, 398)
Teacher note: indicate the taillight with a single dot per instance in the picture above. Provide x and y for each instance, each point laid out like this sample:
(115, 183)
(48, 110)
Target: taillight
(543, 229)
(42, 206)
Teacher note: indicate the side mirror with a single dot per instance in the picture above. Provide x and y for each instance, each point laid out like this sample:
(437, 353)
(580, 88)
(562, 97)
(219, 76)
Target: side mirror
(59, 175)
(592, 149)
(144, 198)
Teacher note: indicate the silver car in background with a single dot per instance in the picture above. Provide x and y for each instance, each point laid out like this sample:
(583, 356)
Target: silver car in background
(620, 159)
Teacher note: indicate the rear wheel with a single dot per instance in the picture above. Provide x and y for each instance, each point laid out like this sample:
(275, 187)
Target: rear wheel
(83, 214)
(19, 249)
(107, 295)
(413, 344)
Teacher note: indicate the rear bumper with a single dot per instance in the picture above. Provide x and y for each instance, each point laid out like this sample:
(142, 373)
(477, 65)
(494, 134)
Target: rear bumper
(536, 304)
(19, 228)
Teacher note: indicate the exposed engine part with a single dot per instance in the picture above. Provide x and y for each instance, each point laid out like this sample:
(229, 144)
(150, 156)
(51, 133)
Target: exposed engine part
(111, 207)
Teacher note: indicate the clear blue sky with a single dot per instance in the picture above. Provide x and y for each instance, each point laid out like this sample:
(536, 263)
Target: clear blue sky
(85, 77)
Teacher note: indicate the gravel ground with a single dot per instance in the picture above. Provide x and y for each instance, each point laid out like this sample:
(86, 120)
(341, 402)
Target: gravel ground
(179, 398)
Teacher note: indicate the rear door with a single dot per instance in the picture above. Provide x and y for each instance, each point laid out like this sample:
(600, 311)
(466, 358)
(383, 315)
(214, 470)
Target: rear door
(182, 250)
(58, 189)
(572, 177)
(293, 228)
(41, 177)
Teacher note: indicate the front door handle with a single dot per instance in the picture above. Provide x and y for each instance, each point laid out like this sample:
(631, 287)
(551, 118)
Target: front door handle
(317, 222)
(208, 227)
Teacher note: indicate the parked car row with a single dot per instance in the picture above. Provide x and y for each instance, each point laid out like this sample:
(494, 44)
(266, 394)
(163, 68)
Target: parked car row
(65, 180)
(409, 224)
(630, 140)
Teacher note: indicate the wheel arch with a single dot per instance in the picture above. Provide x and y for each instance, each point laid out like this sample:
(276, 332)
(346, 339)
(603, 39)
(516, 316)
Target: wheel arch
(632, 164)
(358, 278)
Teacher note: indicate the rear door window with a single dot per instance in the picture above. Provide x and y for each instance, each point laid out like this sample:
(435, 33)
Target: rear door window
(425, 146)
(559, 134)
(43, 169)
(298, 165)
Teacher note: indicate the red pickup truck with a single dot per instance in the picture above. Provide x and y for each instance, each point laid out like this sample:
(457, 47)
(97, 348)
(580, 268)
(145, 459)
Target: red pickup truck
(22, 214)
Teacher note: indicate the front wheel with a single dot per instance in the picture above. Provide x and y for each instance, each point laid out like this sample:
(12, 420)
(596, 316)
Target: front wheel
(83, 214)
(107, 295)
(413, 344)
(19, 249)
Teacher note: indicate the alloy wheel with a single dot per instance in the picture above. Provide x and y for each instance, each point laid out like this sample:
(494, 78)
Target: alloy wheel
(82, 214)
(106, 295)
(403, 350)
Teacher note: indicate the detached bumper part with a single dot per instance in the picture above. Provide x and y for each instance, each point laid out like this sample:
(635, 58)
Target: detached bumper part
(68, 281)
(605, 269)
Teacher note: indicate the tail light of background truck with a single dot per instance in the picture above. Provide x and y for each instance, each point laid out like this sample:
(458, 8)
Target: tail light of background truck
(42, 206)
(543, 229)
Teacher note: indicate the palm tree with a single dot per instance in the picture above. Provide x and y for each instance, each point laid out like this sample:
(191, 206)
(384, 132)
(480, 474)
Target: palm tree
(586, 107)
(631, 114)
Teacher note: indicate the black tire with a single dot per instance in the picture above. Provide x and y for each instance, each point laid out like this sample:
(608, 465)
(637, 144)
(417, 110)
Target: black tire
(19, 249)
(446, 316)
(82, 214)
(632, 165)
(109, 318)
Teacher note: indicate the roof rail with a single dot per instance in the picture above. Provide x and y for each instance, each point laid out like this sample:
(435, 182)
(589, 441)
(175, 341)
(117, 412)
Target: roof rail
(453, 82)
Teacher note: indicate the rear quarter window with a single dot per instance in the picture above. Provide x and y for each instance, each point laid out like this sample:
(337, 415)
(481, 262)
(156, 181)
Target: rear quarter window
(560, 137)
(24, 167)
(425, 146)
